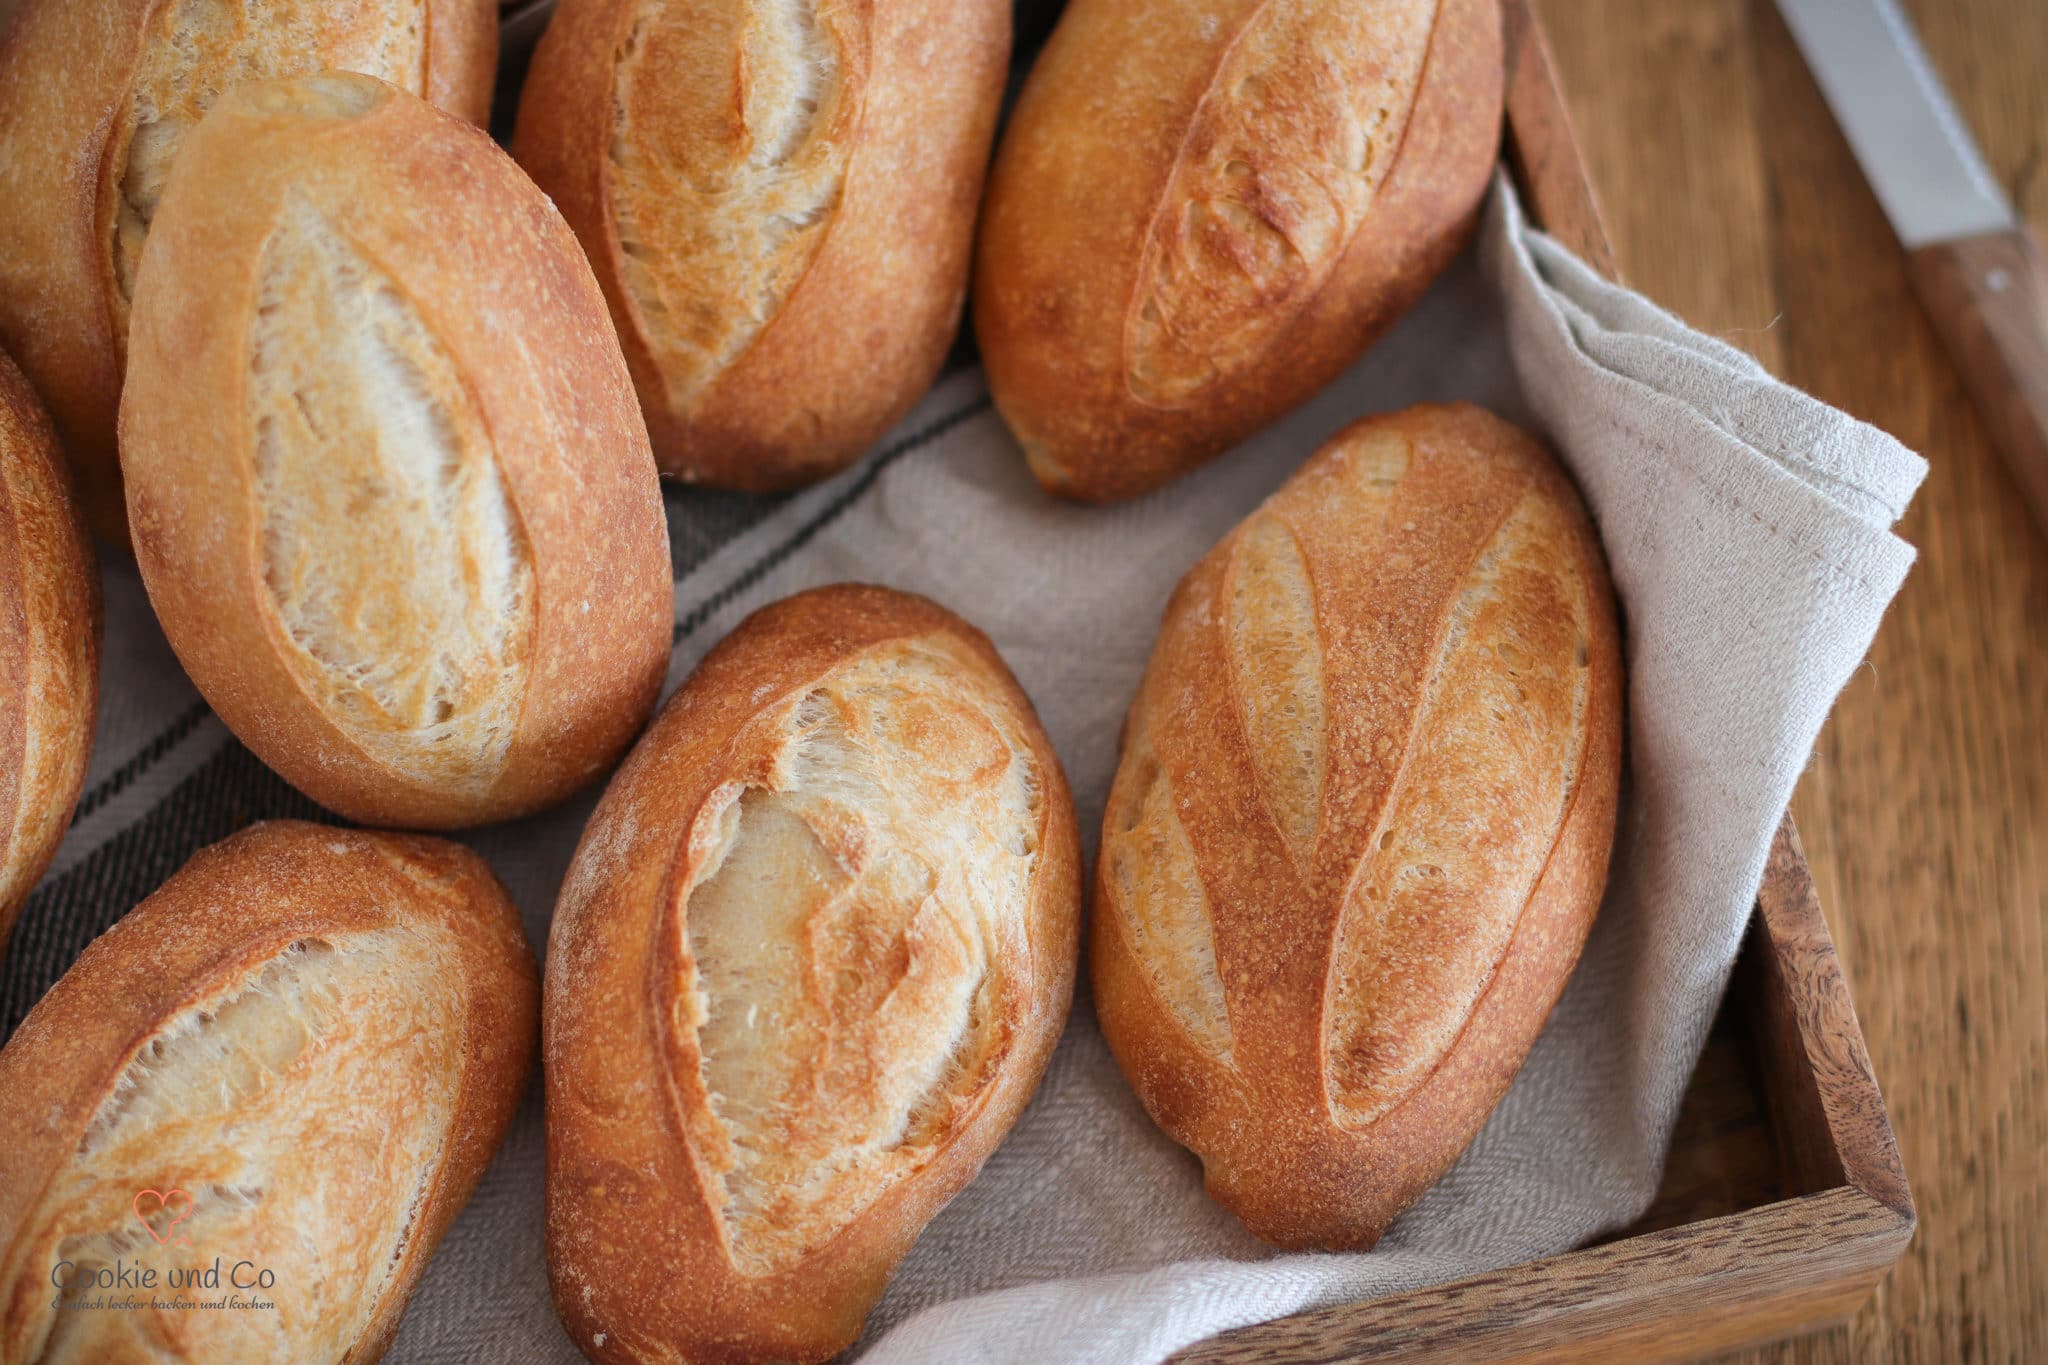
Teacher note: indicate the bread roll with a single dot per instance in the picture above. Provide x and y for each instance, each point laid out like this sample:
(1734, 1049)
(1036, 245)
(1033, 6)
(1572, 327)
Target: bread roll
(391, 497)
(778, 197)
(317, 1038)
(808, 965)
(1203, 210)
(96, 98)
(49, 646)
(1361, 822)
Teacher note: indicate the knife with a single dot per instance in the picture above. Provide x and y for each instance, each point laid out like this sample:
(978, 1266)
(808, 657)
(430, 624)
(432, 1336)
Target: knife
(1978, 271)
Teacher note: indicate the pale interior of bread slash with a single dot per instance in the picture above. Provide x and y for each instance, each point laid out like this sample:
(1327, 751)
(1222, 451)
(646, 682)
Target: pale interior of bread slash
(857, 937)
(395, 561)
(723, 172)
(195, 49)
(287, 1108)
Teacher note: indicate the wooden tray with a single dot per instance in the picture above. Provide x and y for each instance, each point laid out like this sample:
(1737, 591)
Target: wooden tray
(1783, 1202)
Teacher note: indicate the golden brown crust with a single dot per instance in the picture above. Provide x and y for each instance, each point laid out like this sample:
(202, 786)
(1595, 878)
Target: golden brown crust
(644, 1259)
(770, 352)
(49, 646)
(68, 90)
(421, 570)
(1459, 736)
(161, 977)
(1199, 216)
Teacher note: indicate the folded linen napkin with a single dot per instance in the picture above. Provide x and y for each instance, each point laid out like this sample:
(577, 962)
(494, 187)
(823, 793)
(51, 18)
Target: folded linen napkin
(1748, 530)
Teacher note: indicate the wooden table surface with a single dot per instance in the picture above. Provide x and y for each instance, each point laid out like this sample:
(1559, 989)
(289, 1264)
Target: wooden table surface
(1733, 200)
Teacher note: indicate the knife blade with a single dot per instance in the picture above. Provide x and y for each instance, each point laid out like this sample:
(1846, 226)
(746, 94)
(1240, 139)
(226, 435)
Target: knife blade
(1913, 146)
(1977, 268)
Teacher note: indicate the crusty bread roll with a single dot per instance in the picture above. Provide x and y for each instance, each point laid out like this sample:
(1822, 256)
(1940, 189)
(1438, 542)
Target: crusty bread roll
(391, 496)
(1362, 818)
(1203, 210)
(96, 97)
(778, 197)
(49, 646)
(808, 965)
(317, 1038)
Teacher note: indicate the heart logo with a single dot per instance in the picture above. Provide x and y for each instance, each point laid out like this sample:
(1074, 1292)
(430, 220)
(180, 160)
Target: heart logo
(165, 1208)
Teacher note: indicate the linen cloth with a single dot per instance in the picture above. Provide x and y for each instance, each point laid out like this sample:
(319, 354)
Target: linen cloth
(1748, 531)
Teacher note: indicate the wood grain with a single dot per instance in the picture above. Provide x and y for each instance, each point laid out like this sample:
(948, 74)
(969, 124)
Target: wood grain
(1752, 1276)
(1733, 199)
(1987, 297)
(1825, 1105)
(1543, 149)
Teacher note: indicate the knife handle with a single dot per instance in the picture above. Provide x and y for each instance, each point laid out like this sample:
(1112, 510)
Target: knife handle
(1988, 299)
